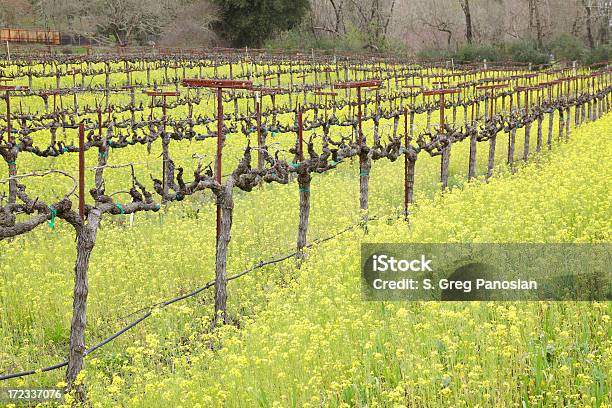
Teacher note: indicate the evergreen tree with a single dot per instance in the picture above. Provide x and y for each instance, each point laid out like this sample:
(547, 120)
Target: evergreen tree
(252, 22)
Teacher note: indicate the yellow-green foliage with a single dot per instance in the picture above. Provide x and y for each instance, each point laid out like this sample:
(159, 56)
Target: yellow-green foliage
(304, 337)
(316, 342)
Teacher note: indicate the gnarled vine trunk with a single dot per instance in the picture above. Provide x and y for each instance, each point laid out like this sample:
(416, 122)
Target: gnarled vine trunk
(511, 144)
(168, 177)
(561, 124)
(539, 142)
(526, 144)
(86, 240)
(567, 123)
(12, 168)
(304, 189)
(472, 160)
(551, 115)
(365, 165)
(444, 165)
(225, 201)
(410, 165)
(491, 161)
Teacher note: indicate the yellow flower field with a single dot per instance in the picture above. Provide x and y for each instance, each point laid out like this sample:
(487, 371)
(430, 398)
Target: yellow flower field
(304, 337)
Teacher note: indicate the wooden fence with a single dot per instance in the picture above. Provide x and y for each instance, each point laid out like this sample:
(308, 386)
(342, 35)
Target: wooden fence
(30, 36)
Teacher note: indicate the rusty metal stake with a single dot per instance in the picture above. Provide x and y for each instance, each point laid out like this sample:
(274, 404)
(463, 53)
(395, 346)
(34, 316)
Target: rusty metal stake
(300, 150)
(82, 168)
(218, 85)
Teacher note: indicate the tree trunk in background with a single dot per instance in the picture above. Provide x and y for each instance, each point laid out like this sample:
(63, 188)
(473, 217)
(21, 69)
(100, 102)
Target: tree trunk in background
(530, 24)
(535, 15)
(589, 23)
(465, 6)
(339, 27)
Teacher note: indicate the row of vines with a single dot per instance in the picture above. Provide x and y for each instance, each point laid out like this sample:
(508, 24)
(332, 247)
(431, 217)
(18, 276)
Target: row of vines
(283, 120)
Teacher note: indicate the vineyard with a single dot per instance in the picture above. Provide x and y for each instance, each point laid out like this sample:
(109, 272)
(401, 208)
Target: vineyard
(184, 228)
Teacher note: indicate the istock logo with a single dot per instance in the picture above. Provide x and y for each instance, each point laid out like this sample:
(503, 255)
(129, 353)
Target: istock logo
(385, 263)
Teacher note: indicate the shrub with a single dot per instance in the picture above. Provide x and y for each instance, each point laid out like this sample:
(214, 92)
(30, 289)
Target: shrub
(432, 54)
(353, 40)
(566, 47)
(600, 54)
(525, 51)
(472, 52)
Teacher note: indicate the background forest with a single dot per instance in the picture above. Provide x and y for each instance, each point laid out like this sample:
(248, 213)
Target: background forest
(522, 30)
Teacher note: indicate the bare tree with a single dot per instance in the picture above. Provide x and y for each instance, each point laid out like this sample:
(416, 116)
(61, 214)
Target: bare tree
(14, 12)
(129, 20)
(589, 22)
(371, 17)
(328, 16)
(465, 6)
(192, 26)
(535, 20)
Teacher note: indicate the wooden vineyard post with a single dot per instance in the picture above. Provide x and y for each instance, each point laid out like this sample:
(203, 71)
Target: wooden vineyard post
(446, 145)
(225, 203)
(364, 160)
